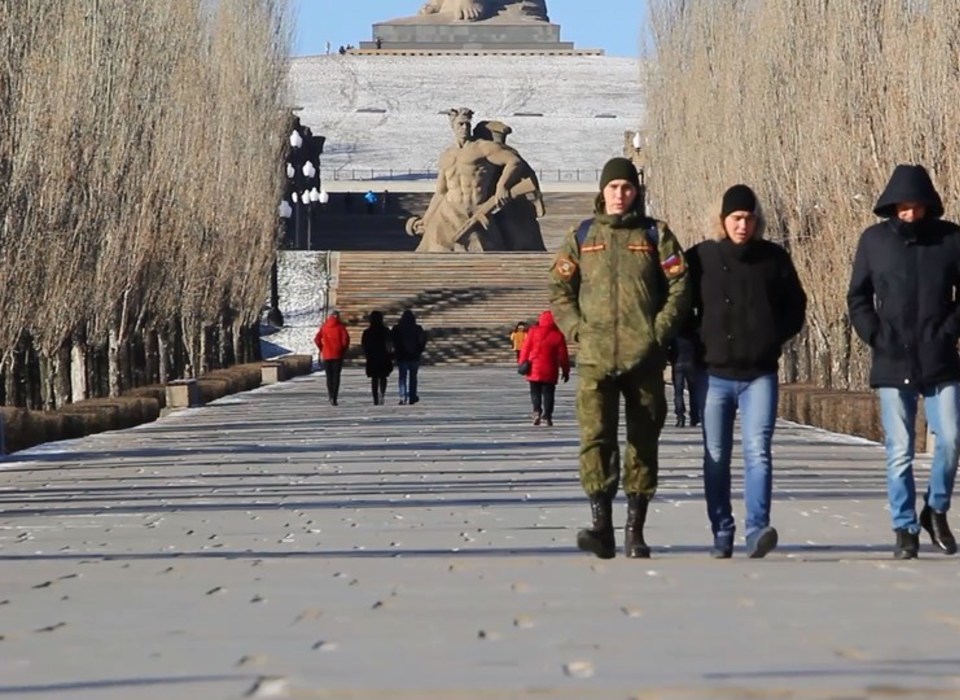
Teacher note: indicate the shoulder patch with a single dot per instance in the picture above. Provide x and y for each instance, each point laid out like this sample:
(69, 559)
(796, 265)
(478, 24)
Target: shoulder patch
(565, 268)
(673, 266)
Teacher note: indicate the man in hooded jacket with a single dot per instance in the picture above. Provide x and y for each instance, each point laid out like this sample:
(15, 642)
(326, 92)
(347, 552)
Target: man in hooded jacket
(903, 303)
(619, 287)
(409, 342)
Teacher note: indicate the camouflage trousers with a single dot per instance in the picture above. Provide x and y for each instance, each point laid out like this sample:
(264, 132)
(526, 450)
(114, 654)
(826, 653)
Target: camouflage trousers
(598, 412)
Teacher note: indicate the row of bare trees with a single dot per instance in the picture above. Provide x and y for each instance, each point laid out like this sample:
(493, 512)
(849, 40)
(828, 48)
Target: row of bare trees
(811, 102)
(139, 153)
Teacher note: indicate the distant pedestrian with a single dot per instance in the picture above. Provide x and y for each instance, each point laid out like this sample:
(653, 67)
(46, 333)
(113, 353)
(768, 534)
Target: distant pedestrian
(342, 51)
(371, 199)
(545, 349)
(327, 48)
(376, 349)
(332, 340)
(904, 302)
(409, 342)
(682, 354)
(379, 43)
(517, 337)
(385, 201)
(748, 302)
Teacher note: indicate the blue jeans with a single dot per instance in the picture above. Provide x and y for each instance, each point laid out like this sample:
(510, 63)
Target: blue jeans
(898, 410)
(407, 371)
(757, 403)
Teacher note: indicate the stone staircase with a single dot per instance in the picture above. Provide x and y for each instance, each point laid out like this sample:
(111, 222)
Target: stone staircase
(348, 227)
(468, 303)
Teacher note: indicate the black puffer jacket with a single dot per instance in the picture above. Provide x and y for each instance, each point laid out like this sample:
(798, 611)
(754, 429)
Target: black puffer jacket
(748, 302)
(903, 296)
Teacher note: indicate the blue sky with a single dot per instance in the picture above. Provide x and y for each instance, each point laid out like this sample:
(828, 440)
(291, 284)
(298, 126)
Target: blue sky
(611, 25)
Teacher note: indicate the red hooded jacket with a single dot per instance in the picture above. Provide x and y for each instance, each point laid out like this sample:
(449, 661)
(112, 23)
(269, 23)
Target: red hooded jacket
(546, 348)
(332, 340)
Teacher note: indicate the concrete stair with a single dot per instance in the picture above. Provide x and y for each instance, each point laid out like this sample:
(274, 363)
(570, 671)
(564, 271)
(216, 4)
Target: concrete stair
(468, 303)
(338, 226)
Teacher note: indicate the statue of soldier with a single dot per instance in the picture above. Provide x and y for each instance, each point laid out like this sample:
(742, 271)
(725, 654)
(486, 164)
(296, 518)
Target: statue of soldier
(518, 220)
(473, 175)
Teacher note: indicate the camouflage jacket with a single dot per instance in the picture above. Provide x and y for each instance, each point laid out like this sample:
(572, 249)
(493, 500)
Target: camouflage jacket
(623, 293)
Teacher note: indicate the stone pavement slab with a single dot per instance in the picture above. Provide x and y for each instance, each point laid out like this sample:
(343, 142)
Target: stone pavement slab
(270, 545)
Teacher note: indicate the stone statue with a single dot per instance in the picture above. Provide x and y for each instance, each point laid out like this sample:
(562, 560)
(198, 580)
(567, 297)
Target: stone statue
(518, 219)
(476, 10)
(477, 178)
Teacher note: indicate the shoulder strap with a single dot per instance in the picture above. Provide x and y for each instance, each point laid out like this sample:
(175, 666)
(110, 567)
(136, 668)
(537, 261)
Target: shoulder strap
(582, 230)
(653, 232)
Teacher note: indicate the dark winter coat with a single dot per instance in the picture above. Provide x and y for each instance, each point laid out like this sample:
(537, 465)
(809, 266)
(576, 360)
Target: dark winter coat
(409, 338)
(546, 349)
(375, 342)
(748, 302)
(904, 291)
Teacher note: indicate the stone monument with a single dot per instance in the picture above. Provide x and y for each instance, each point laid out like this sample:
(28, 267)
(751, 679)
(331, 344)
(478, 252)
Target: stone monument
(480, 201)
(472, 25)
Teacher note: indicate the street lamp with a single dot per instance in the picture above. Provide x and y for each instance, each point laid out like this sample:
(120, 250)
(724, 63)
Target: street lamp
(275, 316)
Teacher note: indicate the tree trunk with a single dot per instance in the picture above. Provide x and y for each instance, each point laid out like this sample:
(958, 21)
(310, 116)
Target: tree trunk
(114, 368)
(78, 370)
(163, 356)
(151, 357)
(48, 378)
(62, 371)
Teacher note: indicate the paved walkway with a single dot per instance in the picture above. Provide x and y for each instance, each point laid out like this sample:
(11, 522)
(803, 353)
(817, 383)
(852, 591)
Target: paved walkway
(273, 545)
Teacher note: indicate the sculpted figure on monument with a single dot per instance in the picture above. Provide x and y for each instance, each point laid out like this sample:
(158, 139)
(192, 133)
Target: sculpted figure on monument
(475, 10)
(476, 179)
(518, 219)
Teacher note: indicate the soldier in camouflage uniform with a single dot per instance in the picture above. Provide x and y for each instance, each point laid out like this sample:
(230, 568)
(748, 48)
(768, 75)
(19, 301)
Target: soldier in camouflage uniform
(619, 288)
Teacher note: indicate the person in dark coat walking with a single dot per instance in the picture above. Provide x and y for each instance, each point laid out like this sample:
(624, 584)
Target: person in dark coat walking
(409, 342)
(904, 302)
(748, 302)
(682, 355)
(545, 349)
(375, 342)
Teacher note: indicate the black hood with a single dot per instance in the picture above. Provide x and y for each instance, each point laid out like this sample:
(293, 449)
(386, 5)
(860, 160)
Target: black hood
(909, 183)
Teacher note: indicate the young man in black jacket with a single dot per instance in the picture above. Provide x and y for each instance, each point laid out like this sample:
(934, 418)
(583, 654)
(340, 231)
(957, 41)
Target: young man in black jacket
(748, 302)
(903, 303)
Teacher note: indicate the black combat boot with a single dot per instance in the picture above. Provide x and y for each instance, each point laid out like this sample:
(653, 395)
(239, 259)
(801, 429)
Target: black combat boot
(633, 545)
(936, 526)
(681, 421)
(599, 539)
(908, 545)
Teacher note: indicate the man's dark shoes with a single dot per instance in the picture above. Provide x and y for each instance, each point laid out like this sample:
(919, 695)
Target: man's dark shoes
(634, 545)
(548, 422)
(936, 526)
(599, 539)
(722, 546)
(762, 542)
(907, 546)
(536, 418)
(681, 421)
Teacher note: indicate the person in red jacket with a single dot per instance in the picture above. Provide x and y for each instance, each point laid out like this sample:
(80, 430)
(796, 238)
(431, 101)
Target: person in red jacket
(332, 340)
(545, 349)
